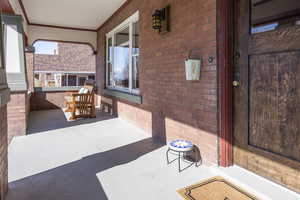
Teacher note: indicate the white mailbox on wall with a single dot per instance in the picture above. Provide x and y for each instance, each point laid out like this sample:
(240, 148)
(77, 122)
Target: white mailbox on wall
(192, 69)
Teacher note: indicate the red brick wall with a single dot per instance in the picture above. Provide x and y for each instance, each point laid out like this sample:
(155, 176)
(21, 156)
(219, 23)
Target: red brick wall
(17, 114)
(71, 57)
(136, 115)
(49, 100)
(29, 68)
(19, 105)
(172, 107)
(3, 152)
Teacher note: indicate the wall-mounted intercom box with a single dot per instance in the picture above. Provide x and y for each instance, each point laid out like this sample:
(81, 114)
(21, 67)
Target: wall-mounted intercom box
(192, 69)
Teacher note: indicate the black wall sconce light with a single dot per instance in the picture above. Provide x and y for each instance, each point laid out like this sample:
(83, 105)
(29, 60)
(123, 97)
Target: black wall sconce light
(160, 20)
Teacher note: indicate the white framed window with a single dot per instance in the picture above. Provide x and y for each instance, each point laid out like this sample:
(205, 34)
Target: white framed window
(122, 56)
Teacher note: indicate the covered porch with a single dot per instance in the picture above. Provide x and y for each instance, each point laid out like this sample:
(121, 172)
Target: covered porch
(220, 74)
(102, 158)
(106, 158)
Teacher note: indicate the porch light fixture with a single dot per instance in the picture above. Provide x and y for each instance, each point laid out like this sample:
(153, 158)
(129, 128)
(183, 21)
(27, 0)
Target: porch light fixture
(160, 20)
(156, 20)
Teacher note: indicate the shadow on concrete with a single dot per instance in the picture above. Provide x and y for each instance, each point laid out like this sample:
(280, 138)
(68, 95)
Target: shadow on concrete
(78, 180)
(48, 120)
(38, 101)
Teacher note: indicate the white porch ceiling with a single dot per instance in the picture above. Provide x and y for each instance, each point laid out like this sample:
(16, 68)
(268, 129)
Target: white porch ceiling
(85, 14)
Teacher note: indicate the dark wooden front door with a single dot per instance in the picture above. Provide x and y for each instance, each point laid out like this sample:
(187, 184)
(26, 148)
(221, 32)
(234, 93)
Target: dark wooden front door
(267, 91)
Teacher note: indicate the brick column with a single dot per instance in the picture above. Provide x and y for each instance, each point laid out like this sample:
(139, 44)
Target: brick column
(17, 114)
(29, 67)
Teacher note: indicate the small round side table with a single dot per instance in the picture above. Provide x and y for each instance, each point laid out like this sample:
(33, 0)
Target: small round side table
(180, 148)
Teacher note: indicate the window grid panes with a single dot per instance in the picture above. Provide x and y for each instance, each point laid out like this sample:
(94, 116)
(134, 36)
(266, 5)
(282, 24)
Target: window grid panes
(122, 56)
(271, 15)
(121, 59)
(109, 62)
(135, 55)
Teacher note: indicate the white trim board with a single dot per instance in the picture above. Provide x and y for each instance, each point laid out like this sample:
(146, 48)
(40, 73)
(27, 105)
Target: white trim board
(64, 72)
(134, 17)
(110, 58)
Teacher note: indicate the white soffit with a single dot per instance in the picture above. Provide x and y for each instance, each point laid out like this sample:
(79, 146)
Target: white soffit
(85, 14)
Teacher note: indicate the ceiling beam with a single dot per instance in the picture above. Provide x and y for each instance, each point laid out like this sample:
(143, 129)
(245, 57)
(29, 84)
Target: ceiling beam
(24, 11)
(63, 27)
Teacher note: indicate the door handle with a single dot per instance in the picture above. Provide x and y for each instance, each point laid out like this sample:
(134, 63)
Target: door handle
(236, 83)
(237, 55)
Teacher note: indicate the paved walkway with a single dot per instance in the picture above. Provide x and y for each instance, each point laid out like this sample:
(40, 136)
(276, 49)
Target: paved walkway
(96, 159)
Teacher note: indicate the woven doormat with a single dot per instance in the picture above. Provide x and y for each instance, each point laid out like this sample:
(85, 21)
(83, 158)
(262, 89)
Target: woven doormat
(216, 188)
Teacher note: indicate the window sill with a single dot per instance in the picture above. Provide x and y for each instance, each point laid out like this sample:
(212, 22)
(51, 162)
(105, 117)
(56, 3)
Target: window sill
(57, 89)
(123, 95)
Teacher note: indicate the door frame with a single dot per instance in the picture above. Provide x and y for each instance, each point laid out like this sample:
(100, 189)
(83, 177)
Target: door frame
(225, 52)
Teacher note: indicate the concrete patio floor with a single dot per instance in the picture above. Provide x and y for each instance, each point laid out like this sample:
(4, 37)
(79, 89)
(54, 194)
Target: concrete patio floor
(104, 158)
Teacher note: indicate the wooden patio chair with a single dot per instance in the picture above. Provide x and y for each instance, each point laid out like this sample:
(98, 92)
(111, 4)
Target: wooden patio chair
(81, 104)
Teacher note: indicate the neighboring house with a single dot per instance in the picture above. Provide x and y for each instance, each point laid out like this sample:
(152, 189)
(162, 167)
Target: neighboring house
(61, 78)
(65, 64)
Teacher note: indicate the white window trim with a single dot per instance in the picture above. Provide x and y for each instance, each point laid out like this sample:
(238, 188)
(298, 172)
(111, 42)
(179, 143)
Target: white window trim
(127, 23)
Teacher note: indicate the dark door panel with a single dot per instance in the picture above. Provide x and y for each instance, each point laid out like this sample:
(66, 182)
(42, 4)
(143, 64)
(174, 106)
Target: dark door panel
(274, 102)
(280, 40)
(267, 101)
